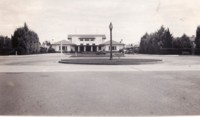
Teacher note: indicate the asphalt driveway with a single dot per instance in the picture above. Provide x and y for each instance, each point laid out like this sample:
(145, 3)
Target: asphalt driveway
(100, 93)
(39, 85)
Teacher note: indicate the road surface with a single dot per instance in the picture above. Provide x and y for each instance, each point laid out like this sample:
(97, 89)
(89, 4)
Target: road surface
(38, 85)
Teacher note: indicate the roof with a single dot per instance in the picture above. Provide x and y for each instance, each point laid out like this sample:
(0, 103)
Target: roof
(64, 42)
(113, 43)
(87, 36)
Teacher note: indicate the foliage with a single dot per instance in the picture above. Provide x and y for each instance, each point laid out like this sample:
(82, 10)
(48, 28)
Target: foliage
(25, 41)
(5, 42)
(182, 42)
(197, 39)
(51, 50)
(163, 39)
(47, 47)
(43, 50)
(151, 43)
(5, 45)
(48, 43)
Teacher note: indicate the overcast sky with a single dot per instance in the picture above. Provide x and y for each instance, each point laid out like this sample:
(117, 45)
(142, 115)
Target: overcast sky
(55, 19)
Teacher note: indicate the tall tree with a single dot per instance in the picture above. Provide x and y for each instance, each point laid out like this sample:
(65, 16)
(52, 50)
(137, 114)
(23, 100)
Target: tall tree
(5, 42)
(197, 39)
(167, 39)
(143, 43)
(25, 41)
(153, 42)
(182, 42)
(5, 45)
(186, 42)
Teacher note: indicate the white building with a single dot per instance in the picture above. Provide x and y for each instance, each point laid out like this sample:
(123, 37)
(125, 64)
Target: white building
(86, 43)
(116, 46)
(67, 46)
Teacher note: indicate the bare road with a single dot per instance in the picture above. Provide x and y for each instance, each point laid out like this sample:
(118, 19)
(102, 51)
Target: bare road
(133, 91)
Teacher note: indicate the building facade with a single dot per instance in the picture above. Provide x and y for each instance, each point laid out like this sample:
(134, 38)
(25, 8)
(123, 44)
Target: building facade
(64, 45)
(116, 46)
(86, 43)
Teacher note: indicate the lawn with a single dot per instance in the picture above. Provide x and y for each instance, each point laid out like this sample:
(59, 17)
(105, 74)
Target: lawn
(106, 61)
(96, 55)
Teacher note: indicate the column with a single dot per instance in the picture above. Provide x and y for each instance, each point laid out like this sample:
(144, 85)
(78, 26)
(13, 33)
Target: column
(91, 48)
(78, 48)
(84, 48)
(97, 48)
(61, 47)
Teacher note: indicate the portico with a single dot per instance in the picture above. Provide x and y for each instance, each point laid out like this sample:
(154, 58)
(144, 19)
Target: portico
(87, 48)
(87, 43)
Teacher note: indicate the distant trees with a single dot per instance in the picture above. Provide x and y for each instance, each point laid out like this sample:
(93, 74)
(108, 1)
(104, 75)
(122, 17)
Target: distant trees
(182, 42)
(25, 41)
(5, 42)
(163, 40)
(47, 47)
(151, 43)
(197, 39)
(47, 43)
(5, 45)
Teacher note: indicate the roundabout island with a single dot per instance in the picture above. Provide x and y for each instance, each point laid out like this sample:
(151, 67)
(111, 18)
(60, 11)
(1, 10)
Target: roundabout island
(106, 61)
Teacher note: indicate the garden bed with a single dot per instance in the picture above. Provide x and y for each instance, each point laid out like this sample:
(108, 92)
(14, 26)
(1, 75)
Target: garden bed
(114, 61)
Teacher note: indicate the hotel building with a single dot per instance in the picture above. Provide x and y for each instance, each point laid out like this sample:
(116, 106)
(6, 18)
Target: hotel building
(86, 43)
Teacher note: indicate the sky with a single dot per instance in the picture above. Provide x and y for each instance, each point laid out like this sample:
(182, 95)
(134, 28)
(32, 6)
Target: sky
(54, 20)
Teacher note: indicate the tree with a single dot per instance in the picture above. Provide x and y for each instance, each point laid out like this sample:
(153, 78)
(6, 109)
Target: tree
(47, 43)
(186, 42)
(5, 42)
(182, 42)
(167, 39)
(143, 43)
(5, 45)
(152, 43)
(25, 41)
(177, 43)
(197, 39)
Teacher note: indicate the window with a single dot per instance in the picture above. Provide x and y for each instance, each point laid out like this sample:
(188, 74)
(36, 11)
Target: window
(81, 39)
(63, 47)
(86, 39)
(113, 48)
(92, 39)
